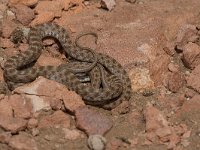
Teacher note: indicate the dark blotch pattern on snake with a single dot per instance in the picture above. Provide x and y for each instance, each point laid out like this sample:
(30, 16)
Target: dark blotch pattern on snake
(115, 83)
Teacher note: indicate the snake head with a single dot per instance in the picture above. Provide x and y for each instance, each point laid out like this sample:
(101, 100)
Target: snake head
(17, 36)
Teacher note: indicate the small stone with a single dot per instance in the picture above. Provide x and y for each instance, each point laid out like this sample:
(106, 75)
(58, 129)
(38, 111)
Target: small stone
(191, 55)
(173, 67)
(108, 4)
(158, 67)
(53, 6)
(52, 93)
(23, 13)
(12, 124)
(154, 118)
(44, 87)
(23, 141)
(92, 122)
(43, 17)
(57, 119)
(96, 142)
(32, 123)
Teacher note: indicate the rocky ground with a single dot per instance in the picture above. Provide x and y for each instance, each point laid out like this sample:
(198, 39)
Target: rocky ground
(156, 41)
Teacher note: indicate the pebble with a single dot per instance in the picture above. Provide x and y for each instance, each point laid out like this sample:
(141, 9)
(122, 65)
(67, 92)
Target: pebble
(96, 142)
(92, 122)
(108, 4)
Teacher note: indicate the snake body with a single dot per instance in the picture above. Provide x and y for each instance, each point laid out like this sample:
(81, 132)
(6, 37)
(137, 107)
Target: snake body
(102, 69)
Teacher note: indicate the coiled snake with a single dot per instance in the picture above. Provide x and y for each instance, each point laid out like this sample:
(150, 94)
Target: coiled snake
(109, 85)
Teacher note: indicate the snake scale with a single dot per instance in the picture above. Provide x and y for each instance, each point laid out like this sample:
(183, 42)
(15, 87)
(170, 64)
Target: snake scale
(110, 84)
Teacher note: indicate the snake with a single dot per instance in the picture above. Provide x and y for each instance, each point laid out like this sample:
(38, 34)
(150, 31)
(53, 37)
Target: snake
(110, 83)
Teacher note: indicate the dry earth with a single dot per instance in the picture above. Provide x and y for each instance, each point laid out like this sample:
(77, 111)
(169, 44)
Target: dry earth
(156, 41)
